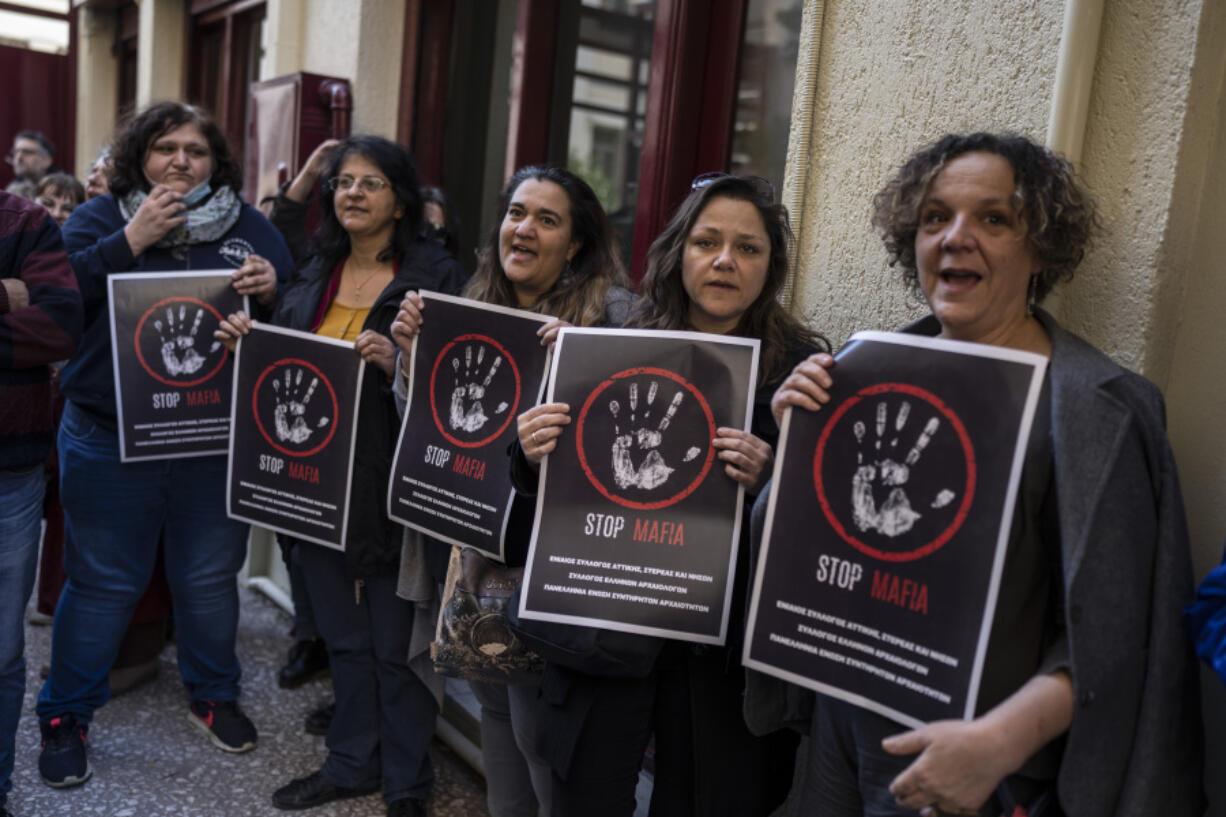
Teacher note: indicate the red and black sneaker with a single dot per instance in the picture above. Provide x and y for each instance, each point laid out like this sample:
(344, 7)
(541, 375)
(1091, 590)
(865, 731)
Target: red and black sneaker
(226, 725)
(62, 762)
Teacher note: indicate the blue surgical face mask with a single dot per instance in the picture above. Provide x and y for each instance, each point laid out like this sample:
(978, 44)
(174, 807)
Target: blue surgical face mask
(197, 194)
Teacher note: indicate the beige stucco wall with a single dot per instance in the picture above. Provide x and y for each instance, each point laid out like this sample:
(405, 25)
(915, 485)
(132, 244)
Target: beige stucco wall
(358, 40)
(1152, 292)
(890, 77)
(161, 50)
(98, 79)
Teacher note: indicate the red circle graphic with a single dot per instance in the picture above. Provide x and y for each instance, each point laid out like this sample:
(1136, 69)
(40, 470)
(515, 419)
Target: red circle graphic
(255, 409)
(684, 492)
(511, 410)
(140, 327)
(930, 547)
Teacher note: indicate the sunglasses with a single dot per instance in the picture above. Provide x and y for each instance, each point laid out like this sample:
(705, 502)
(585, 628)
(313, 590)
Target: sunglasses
(760, 185)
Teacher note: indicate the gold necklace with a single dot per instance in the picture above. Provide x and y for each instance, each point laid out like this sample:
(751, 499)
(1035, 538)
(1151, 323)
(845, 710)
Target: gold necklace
(357, 288)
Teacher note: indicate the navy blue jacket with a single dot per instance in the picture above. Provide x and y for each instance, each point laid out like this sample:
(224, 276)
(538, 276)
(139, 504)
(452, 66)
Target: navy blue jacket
(97, 247)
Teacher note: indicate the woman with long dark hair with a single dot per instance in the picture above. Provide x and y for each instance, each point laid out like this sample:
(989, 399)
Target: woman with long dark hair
(173, 206)
(366, 254)
(553, 252)
(718, 267)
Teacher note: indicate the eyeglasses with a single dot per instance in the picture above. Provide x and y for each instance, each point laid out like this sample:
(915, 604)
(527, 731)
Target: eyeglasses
(367, 184)
(760, 185)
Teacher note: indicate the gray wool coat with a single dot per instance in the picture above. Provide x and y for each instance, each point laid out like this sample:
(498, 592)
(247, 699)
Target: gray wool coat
(1135, 747)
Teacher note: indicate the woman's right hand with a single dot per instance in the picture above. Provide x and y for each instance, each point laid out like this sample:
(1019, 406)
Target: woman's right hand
(408, 322)
(300, 188)
(233, 328)
(807, 386)
(160, 212)
(540, 427)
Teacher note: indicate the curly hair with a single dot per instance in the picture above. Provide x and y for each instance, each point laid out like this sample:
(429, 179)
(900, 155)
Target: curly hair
(1059, 215)
(134, 139)
(665, 304)
(331, 237)
(578, 296)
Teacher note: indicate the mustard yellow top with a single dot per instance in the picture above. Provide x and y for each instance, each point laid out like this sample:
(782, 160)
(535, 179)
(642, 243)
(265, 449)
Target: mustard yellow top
(342, 321)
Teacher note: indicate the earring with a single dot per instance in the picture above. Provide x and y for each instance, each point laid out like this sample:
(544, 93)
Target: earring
(1031, 295)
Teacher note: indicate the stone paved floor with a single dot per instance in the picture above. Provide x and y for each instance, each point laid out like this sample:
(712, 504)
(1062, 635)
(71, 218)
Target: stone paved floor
(150, 762)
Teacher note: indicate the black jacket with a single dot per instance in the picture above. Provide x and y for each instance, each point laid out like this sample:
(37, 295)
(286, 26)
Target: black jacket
(372, 542)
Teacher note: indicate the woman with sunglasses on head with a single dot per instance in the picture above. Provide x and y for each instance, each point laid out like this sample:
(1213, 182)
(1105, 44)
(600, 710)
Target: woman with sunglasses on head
(367, 254)
(552, 252)
(718, 267)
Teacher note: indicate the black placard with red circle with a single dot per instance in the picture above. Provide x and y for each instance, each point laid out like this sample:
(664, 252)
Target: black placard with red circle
(172, 378)
(475, 367)
(637, 522)
(294, 418)
(887, 525)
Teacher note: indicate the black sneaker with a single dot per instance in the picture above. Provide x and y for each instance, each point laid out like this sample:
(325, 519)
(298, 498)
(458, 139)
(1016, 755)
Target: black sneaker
(226, 725)
(62, 762)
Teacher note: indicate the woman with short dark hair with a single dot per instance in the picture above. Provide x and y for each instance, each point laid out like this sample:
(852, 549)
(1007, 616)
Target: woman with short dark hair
(59, 194)
(1088, 702)
(174, 206)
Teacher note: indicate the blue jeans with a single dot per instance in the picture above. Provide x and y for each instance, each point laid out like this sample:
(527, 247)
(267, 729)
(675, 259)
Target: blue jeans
(21, 498)
(114, 513)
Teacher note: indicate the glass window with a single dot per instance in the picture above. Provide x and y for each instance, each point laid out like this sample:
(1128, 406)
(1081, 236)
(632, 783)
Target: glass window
(609, 104)
(764, 88)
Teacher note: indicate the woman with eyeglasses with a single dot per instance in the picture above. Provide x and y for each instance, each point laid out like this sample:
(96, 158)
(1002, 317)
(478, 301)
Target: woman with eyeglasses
(367, 253)
(553, 252)
(718, 267)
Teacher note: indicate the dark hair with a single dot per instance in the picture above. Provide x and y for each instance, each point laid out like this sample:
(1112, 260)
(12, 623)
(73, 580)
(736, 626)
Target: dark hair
(665, 304)
(63, 184)
(331, 238)
(579, 294)
(37, 136)
(1059, 215)
(135, 137)
(451, 220)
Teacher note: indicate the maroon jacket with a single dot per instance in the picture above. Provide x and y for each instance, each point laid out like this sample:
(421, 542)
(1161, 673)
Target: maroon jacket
(36, 335)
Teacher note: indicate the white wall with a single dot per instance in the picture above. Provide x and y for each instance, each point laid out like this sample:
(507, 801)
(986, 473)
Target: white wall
(1152, 293)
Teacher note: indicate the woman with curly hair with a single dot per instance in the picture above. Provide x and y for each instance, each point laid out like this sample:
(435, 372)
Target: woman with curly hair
(1088, 703)
(173, 206)
(718, 267)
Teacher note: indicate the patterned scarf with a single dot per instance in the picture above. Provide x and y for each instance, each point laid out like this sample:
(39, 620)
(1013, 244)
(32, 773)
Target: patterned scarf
(207, 222)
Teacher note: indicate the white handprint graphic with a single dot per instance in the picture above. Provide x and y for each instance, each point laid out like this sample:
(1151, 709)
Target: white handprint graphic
(652, 471)
(887, 468)
(291, 407)
(467, 409)
(178, 342)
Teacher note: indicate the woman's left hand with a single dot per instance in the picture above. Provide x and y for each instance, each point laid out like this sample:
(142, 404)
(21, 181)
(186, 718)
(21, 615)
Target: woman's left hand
(257, 278)
(377, 349)
(960, 764)
(747, 459)
(549, 332)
